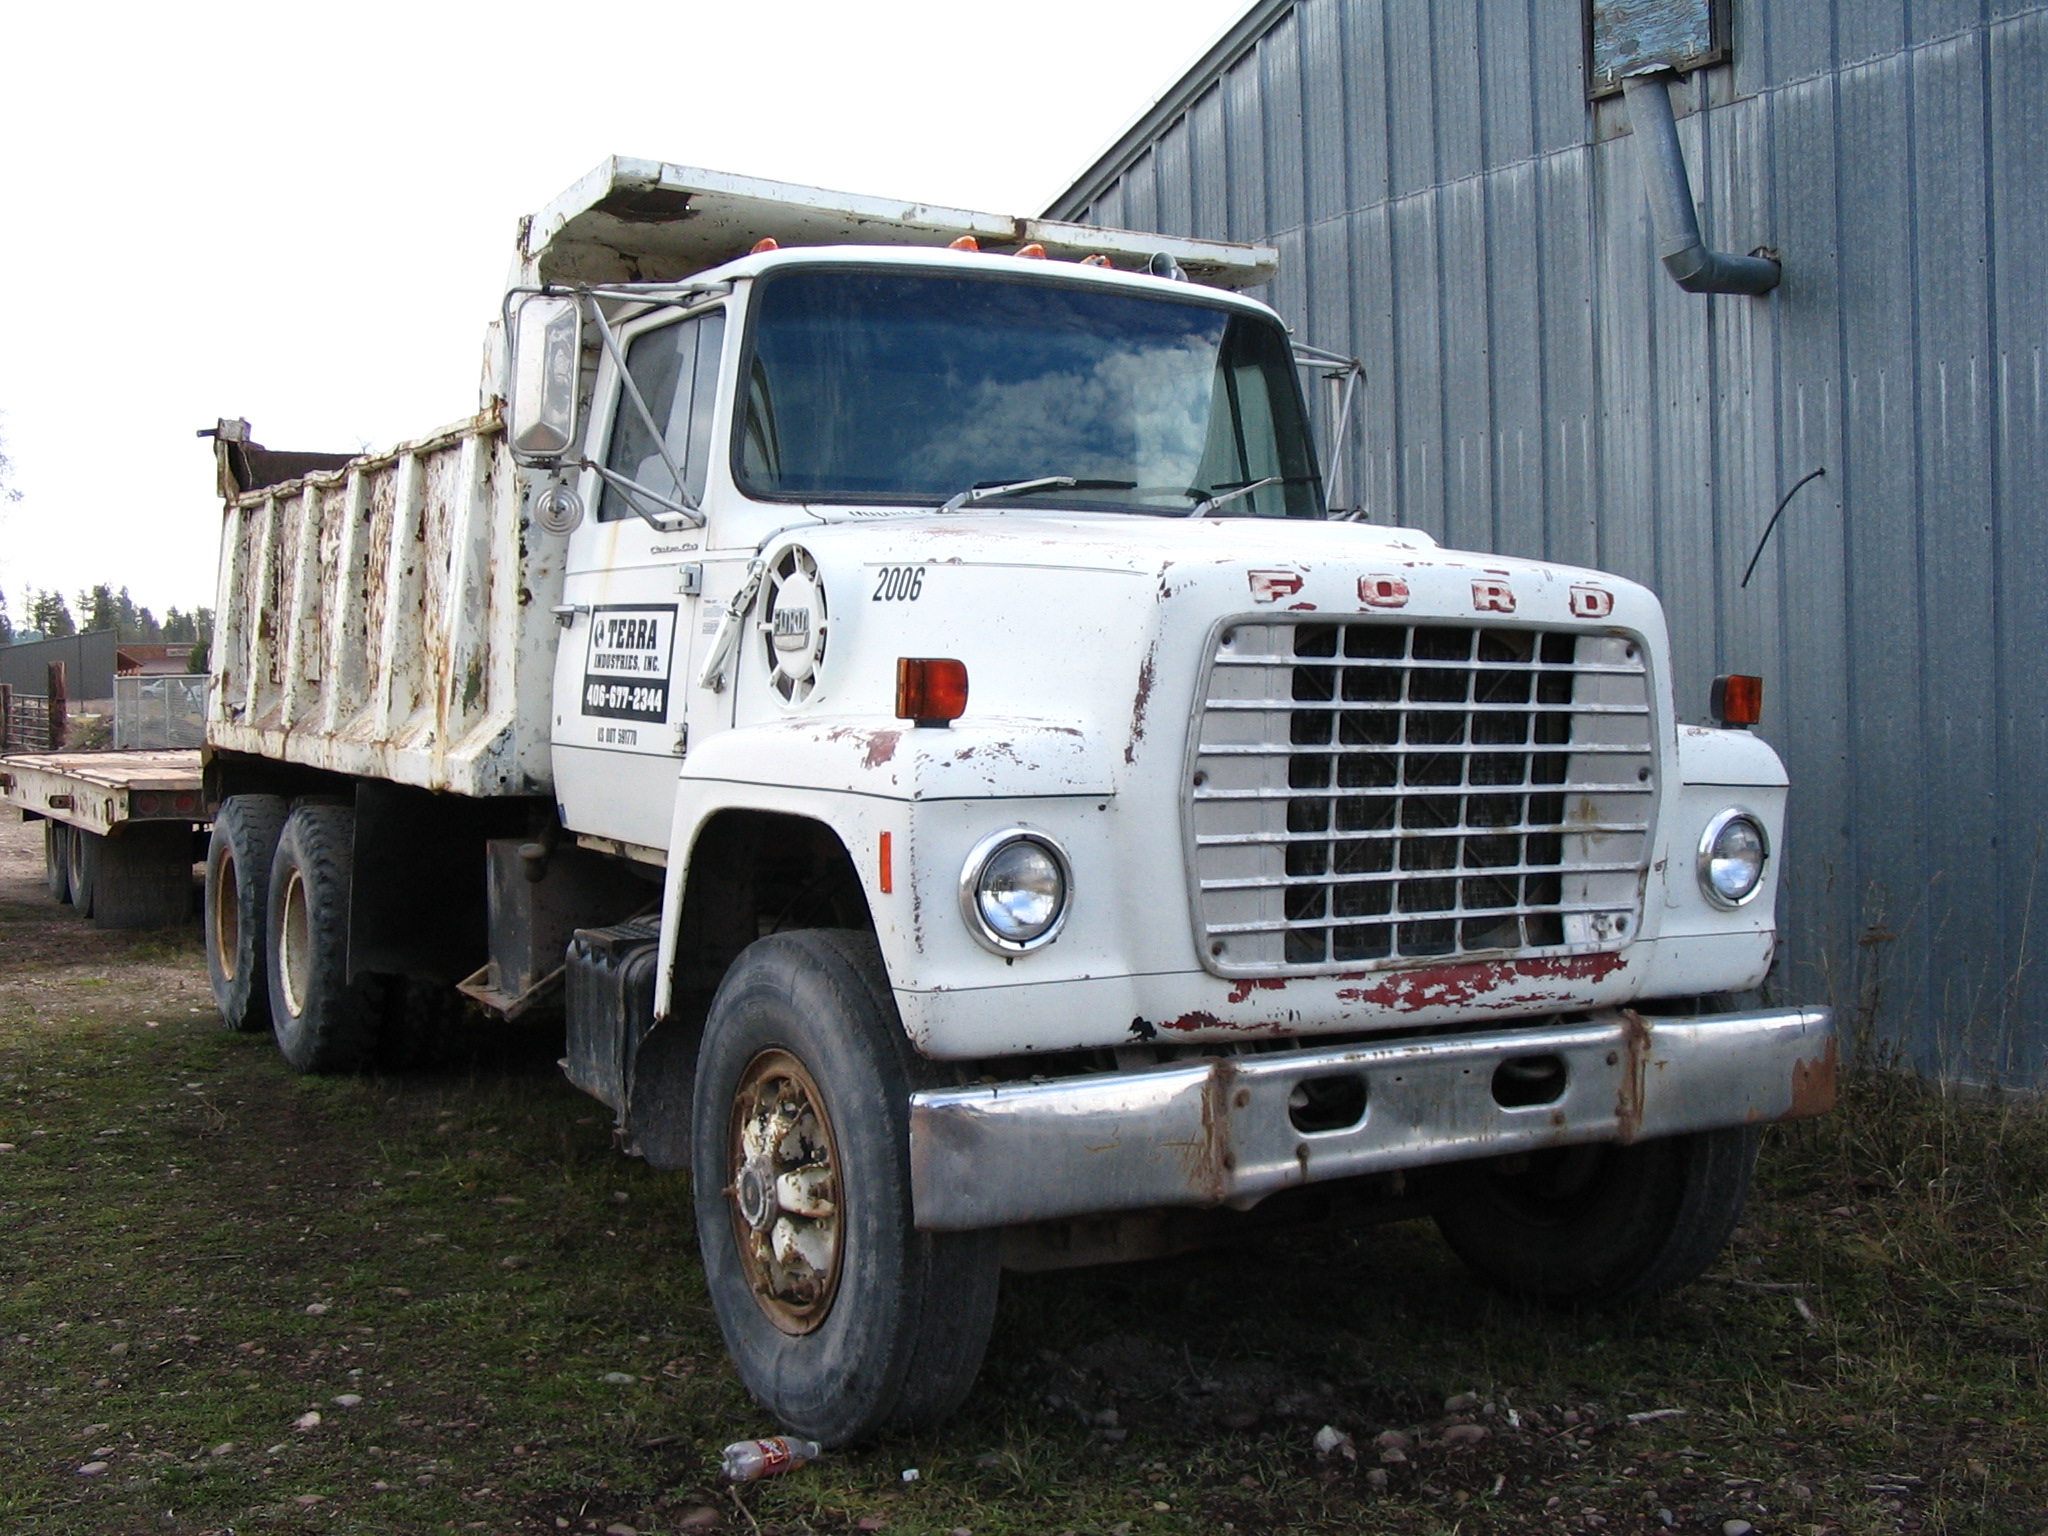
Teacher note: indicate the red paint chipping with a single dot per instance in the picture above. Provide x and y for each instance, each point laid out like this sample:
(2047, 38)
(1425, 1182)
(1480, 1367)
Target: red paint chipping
(1482, 984)
(881, 748)
(1244, 989)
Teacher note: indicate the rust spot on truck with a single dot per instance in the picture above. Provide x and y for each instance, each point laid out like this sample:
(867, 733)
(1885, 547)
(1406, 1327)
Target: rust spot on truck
(1496, 985)
(1635, 1067)
(1813, 1083)
(1143, 700)
(1211, 1161)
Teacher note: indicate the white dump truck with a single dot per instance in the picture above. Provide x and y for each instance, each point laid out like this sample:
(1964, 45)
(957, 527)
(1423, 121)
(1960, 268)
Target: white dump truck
(894, 678)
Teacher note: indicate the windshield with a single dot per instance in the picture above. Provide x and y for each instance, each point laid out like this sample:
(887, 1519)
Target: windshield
(876, 385)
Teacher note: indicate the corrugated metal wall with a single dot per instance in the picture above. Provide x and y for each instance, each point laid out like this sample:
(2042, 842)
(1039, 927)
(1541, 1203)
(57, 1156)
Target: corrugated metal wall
(1451, 208)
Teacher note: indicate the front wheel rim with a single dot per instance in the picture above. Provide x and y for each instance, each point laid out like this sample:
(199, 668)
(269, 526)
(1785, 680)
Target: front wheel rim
(227, 919)
(784, 1192)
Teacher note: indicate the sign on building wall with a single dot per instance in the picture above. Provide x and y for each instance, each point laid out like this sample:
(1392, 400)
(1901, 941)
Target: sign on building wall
(1627, 37)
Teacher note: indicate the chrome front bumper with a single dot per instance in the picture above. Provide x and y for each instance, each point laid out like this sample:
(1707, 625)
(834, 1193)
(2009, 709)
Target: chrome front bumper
(1218, 1131)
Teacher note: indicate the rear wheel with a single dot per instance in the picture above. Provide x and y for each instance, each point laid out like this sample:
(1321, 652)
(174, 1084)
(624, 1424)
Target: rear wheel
(238, 855)
(322, 1023)
(1599, 1225)
(57, 861)
(841, 1316)
(82, 860)
(145, 877)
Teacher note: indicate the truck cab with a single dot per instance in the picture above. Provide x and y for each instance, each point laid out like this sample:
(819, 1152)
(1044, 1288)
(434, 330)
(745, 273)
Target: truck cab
(983, 804)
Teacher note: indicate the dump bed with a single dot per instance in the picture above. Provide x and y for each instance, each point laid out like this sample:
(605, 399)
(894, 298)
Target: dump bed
(390, 618)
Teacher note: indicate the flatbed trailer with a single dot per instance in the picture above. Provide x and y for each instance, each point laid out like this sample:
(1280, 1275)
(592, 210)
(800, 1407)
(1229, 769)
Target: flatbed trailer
(122, 830)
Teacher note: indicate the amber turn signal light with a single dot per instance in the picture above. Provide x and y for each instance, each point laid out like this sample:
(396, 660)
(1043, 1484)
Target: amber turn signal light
(764, 244)
(964, 243)
(1737, 699)
(930, 690)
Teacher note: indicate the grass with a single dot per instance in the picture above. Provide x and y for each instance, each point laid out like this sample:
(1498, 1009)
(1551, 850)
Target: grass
(201, 1249)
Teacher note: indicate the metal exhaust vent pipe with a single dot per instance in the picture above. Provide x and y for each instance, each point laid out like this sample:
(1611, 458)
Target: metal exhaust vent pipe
(1672, 214)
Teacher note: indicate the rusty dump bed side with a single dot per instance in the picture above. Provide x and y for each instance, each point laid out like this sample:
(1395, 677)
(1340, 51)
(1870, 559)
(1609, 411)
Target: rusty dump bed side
(389, 619)
(100, 791)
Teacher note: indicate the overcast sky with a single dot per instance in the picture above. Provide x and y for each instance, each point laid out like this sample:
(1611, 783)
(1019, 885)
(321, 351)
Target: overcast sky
(304, 215)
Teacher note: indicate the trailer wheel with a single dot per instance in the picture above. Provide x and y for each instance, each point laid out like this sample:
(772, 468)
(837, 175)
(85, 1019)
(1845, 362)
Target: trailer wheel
(238, 855)
(322, 1023)
(145, 877)
(841, 1316)
(57, 861)
(1599, 1225)
(82, 859)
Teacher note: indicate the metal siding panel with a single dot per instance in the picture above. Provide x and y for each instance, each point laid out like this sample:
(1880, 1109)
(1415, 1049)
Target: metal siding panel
(1375, 299)
(1796, 41)
(1806, 718)
(1210, 154)
(1323, 107)
(1569, 357)
(1557, 73)
(1418, 338)
(1957, 569)
(1506, 103)
(1411, 100)
(1468, 408)
(1459, 90)
(1365, 95)
(1868, 29)
(1624, 281)
(1245, 137)
(2018, 212)
(1176, 182)
(1280, 62)
(1885, 624)
(1514, 321)
(1140, 188)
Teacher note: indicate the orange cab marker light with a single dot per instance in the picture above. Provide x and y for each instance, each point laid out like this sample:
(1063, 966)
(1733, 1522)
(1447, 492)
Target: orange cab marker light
(965, 243)
(1097, 260)
(765, 243)
(930, 690)
(888, 870)
(1033, 252)
(1737, 699)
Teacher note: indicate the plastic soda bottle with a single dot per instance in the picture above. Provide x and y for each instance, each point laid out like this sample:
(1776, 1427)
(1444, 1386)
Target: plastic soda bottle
(748, 1460)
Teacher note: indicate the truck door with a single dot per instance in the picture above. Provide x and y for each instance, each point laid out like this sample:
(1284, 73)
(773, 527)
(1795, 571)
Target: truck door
(621, 668)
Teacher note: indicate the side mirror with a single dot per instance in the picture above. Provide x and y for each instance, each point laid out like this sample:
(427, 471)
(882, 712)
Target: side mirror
(547, 350)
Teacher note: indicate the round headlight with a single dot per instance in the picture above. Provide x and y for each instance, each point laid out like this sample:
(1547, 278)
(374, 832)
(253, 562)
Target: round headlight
(1013, 891)
(1733, 853)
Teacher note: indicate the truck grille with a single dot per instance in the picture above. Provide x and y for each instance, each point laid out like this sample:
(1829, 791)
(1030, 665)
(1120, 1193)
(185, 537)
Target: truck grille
(1370, 794)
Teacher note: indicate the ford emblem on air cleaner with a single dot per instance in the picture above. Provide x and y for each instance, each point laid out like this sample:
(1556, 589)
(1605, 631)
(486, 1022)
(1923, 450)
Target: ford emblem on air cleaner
(1271, 586)
(792, 628)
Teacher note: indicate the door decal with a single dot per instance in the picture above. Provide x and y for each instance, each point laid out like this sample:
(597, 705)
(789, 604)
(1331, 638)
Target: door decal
(626, 670)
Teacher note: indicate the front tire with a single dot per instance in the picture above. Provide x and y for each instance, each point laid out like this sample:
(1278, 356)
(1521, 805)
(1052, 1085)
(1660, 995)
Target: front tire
(238, 855)
(843, 1318)
(1600, 1225)
(322, 1024)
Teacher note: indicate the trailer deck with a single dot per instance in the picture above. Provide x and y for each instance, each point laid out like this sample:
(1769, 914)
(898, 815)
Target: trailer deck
(99, 791)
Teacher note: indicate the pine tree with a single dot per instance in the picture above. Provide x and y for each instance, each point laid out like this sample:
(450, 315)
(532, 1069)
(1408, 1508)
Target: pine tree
(97, 609)
(48, 612)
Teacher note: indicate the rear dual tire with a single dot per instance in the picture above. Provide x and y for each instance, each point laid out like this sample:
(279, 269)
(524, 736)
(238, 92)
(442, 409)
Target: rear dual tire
(238, 858)
(322, 1021)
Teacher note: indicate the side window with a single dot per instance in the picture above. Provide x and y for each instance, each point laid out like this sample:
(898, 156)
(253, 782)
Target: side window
(676, 369)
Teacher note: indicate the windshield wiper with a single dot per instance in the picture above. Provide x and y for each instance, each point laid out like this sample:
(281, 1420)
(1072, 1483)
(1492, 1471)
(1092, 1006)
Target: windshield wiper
(1214, 499)
(980, 493)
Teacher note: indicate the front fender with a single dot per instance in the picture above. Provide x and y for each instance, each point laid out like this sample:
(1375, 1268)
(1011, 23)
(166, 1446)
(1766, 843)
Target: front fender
(861, 777)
